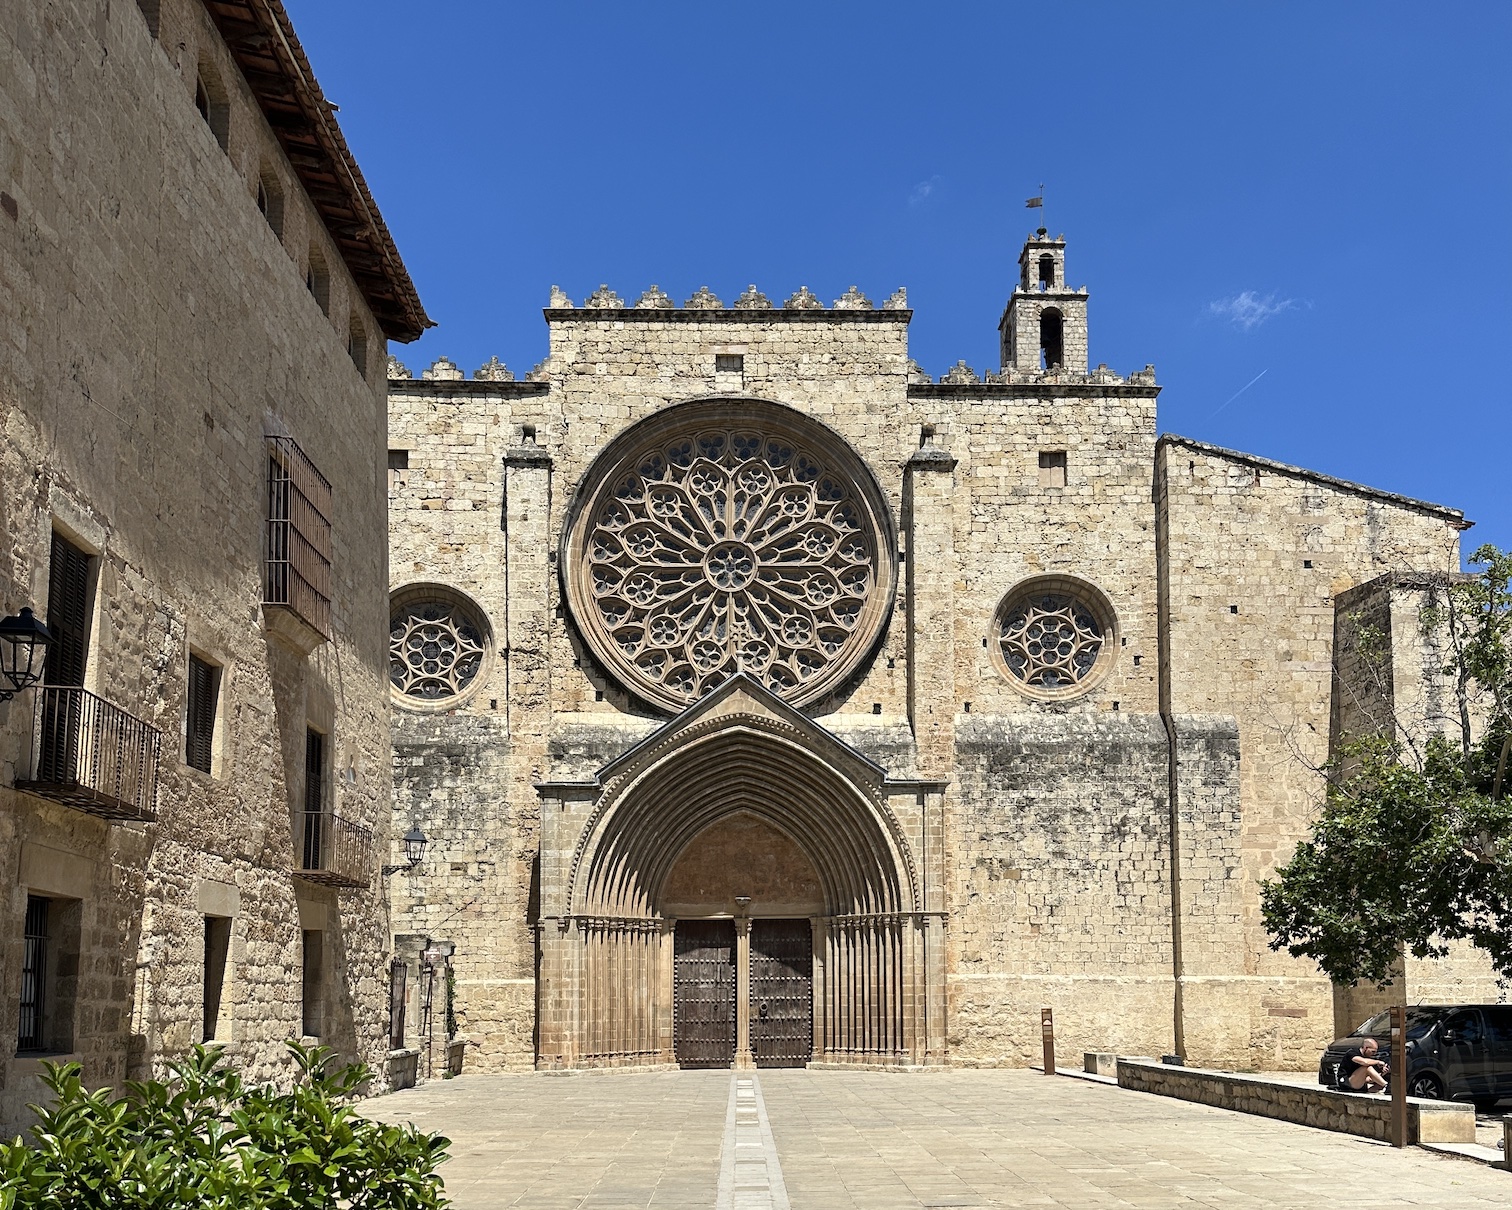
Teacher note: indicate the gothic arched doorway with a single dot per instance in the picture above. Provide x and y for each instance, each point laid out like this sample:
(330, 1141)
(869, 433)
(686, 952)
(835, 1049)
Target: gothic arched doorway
(737, 815)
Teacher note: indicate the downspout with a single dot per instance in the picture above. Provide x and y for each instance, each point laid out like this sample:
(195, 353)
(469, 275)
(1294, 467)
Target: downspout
(1173, 781)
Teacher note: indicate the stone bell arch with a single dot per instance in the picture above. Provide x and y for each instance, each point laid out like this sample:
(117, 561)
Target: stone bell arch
(608, 931)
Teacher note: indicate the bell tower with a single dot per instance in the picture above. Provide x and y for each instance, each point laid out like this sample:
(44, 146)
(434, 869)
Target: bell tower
(1044, 327)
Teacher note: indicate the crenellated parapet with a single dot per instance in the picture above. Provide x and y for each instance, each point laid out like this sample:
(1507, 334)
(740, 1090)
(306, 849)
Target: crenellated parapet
(706, 303)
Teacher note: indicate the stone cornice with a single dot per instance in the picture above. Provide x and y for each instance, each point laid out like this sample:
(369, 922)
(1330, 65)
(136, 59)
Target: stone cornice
(1031, 390)
(725, 315)
(469, 387)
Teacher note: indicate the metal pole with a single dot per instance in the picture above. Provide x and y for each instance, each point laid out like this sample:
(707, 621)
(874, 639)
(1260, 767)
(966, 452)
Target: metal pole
(1398, 1060)
(1047, 1036)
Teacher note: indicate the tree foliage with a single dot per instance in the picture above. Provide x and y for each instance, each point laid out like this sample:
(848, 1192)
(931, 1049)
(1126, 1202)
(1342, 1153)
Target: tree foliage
(202, 1138)
(1413, 847)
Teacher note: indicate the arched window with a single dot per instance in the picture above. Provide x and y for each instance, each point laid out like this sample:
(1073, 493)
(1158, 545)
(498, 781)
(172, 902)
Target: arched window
(213, 104)
(357, 345)
(270, 200)
(1052, 339)
(318, 281)
(1046, 271)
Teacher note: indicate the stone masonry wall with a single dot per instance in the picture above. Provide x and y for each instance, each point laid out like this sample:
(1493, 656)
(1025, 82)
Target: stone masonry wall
(1253, 555)
(155, 328)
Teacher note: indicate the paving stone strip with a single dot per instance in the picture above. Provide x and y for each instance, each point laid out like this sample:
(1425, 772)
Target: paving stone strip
(750, 1175)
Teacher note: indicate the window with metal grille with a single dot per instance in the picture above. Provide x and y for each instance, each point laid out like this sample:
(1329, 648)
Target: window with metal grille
(199, 729)
(398, 975)
(298, 566)
(32, 1034)
(217, 949)
(314, 800)
(67, 613)
(312, 999)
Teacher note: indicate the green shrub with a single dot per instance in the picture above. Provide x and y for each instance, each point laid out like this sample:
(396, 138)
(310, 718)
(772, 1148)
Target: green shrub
(204, 1139)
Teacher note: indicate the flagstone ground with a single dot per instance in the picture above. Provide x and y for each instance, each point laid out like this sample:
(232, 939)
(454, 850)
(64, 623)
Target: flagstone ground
(896, 1141)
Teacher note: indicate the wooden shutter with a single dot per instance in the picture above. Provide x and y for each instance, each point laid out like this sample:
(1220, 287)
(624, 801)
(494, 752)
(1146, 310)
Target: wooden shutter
(67, 613)
(200, 731)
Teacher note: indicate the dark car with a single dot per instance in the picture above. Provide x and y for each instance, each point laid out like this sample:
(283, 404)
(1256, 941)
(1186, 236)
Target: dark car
(1459, 1052)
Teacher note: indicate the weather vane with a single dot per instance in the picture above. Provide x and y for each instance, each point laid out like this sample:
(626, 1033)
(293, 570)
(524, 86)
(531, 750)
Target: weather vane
(1038, 203)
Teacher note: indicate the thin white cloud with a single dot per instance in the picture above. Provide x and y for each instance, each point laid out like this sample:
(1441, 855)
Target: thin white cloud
(920, 193)
(1248, 310)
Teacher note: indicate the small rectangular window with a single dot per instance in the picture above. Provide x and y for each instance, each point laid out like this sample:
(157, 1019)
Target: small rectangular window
(217, 949)
(1052, 468)
(398, 469)
(729, 363)
(312, 1001)
(33, 1032)
(199, 725)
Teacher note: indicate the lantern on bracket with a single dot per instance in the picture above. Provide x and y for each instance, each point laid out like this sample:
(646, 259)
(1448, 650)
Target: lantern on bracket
(23, 650)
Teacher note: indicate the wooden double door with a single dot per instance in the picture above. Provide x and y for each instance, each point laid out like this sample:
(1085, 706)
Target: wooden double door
(780, 992)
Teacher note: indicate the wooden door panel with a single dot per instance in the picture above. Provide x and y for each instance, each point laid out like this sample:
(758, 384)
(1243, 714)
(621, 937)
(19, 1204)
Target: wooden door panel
(782, 993)
(703, 1016)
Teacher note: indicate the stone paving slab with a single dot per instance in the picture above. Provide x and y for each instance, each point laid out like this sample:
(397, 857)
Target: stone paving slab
(968, 1140)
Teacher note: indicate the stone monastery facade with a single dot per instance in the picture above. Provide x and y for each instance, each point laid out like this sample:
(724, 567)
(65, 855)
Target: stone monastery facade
(768, 702)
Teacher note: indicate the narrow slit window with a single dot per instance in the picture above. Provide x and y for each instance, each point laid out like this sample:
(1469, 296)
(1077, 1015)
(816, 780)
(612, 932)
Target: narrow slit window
(217, 949)
(357, 345)
(1052, 468)
(199, 728)
(318, 281)
(312, 1002)
(151, 13)
(270, 202)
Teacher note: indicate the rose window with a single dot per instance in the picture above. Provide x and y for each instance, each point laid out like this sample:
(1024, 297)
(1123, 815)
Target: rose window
(435, 649)
(1053, 636)
(743, 539)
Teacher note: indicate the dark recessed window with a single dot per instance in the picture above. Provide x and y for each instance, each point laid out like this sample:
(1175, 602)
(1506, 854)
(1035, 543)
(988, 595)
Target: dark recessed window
(199, 728)
(33, 1032)
(312, 999)
(729, 363)
(1052, 468)
(217, 947)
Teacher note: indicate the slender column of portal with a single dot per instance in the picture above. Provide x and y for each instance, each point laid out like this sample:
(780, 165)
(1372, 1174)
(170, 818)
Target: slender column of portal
(819, 947)
(743, 1058)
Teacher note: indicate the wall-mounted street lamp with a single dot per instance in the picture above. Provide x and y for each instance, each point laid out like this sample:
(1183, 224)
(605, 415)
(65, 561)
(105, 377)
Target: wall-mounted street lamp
(414, 850)
(23, 647)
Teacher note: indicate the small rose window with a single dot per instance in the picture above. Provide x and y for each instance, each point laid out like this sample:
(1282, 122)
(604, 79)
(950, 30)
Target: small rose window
(436, 648)
(1055, 636)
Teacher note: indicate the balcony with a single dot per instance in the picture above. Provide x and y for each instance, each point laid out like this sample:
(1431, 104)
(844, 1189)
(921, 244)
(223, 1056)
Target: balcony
(297, 562)
(90, 755)
(333, 851)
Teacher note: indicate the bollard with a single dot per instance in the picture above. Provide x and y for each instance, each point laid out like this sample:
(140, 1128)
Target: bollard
(1397, 1057)
(1047, 1036)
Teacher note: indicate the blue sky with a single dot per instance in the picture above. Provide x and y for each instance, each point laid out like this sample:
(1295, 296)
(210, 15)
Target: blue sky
(1314, 199)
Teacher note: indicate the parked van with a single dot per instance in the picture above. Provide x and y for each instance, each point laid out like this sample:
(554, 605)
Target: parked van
(1460, 1052)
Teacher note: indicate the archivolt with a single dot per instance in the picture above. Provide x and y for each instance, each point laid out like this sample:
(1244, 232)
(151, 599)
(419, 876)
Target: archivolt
(742, 766)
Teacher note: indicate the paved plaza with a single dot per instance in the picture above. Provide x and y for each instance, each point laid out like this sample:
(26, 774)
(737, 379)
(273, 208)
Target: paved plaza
(889, 1141)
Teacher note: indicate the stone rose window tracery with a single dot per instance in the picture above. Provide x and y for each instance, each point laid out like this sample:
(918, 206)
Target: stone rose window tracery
(1055, 636)
(730, 538)
(436, 646)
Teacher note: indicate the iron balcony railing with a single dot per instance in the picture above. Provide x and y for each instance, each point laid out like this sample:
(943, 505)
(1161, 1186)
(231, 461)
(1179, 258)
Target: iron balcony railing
(297, 569)
(92, 756)
(333, 851)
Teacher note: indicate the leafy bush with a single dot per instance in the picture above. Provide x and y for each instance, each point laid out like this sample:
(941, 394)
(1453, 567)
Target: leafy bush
(204, 1139)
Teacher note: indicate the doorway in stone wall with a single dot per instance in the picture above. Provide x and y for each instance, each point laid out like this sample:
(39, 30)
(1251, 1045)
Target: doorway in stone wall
(703, 984)
(782, 992)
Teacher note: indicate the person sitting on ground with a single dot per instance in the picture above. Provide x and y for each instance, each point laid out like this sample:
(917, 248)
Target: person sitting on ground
(1360, 1070)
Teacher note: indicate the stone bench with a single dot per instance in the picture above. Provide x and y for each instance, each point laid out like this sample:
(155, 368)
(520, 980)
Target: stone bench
(1304, 1104)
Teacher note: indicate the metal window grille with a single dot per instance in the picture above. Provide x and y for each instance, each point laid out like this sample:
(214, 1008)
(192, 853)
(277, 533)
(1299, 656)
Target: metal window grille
(398, 976)
(297, 571)
(32, 1033)
(199, 733)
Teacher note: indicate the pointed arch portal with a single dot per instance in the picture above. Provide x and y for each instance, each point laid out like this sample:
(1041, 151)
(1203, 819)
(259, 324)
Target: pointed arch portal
(741, 811)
